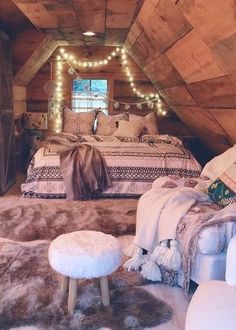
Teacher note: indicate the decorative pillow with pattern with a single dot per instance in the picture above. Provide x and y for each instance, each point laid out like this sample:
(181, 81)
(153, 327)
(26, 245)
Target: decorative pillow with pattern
(78, 122)
(149, 123)
(106, 124)
(223, 189)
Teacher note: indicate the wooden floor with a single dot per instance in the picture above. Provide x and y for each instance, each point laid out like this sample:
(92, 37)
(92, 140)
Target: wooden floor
(175, 297)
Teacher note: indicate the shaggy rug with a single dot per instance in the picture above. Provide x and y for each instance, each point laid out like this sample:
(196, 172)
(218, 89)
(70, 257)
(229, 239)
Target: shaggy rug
(30, 295)
(48, 219)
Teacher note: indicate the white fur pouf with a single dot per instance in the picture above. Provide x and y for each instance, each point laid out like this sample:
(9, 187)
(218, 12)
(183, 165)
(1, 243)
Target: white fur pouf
(85, 255)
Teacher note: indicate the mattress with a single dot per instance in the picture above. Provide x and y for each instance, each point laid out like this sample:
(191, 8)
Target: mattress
(132, 164)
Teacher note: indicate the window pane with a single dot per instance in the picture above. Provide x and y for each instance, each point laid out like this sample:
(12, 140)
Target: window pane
(98, 85)
(89, 94)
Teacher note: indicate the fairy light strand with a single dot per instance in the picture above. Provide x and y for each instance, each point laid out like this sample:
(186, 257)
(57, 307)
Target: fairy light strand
(72, 63)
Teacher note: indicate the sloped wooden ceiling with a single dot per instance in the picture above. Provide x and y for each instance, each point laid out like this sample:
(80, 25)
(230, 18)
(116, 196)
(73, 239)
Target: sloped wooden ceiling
(67, 19)
(188, 48)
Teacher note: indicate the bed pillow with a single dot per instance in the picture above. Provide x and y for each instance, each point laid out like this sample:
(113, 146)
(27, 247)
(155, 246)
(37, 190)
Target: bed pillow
(149, 123)
(219, 164)
(78, 122)
(129, 129)
(106, 124)
(223, 189)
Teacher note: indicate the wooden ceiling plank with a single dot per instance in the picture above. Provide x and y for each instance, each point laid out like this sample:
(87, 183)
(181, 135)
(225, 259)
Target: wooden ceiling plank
(35, 61)
(121, 14)
(133, 34)
(178, 95)
(193, 59)
(91, 15)
(212, 19)
(115, 37)
(164, 25)
(215, 93)
(162, 73)
(227, 119)
(37, 14)
(201, 122)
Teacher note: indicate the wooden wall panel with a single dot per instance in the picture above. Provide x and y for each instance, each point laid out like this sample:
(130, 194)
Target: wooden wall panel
(162, 73)
(193, 59)
(178, 95)
(164, 24)
(202, 123)
(213, 20)
(215, 93)
(196, 67)
(227, 120)
(19, 100)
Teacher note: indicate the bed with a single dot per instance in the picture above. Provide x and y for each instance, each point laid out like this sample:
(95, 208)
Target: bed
(132, 163)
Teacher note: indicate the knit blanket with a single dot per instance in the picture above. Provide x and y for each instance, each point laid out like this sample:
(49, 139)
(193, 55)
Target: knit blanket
(170, 219)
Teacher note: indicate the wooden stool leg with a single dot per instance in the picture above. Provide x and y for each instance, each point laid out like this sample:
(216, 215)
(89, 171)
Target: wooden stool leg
(72, 295)
(105, 291)
(64, 284)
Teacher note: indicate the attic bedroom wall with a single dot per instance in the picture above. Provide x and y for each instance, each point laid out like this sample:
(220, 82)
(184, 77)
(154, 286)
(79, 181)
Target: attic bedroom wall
(188, 48)
(25, 44)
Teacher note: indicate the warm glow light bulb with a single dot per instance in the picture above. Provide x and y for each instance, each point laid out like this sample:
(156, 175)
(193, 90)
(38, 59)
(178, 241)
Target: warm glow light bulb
(117, 49)
(62, 50)
(58, 57)
(109, 58)
(113, 54)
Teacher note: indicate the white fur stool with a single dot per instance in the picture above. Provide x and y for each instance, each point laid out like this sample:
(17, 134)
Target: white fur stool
(85, 255)
(213, 304)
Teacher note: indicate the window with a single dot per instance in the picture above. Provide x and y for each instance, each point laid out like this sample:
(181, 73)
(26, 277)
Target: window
(89, 94)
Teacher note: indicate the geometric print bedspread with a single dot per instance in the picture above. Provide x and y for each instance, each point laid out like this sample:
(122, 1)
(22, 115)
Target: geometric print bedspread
(132, 165)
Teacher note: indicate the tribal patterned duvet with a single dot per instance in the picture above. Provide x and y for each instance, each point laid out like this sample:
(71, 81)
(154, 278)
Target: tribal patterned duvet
(133, 164)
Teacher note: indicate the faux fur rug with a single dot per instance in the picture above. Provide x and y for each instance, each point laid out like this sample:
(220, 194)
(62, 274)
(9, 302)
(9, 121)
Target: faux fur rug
(48, 219)
(30, 295)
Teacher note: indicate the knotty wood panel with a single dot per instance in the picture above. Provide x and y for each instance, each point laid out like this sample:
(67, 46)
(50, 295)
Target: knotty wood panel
(143, 50)
(134, 32)
(193, 60)
(35, 62)
(215, 93)
(178, 95)
(162, 73)
(227, 120)
(202, 123)
(91, 15)
(19, 100)
(225, 53)
(164, 25)
(212, 19)
(120, 14)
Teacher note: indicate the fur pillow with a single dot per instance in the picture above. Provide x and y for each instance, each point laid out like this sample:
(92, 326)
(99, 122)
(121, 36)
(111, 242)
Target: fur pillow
(78, 122)
(106, 124)
(131, 129)
(149, 123)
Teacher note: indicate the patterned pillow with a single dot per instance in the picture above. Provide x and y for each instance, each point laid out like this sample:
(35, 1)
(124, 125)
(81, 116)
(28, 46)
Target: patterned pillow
(149, 123)
(78, 123)
(223, 189)
(106, 124)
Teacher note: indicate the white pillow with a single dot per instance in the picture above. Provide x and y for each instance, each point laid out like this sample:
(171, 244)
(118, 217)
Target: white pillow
(215, 167)
(128, 129)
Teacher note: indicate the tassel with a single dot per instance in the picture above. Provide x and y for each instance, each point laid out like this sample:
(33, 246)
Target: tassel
(160, 252)
(151, 271)
(172, 259)
(136, 261)
(131, 250)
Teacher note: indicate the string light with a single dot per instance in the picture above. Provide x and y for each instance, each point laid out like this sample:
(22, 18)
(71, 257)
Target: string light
(71, 61)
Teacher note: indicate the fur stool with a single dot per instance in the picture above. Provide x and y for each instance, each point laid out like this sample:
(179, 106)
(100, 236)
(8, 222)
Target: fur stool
(85, 255)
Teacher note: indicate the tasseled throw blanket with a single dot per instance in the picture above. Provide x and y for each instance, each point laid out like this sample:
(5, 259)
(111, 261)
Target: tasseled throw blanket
(162, 224)
(83, 167)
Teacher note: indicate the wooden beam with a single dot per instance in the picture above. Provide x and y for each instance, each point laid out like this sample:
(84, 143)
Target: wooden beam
(36, 61)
